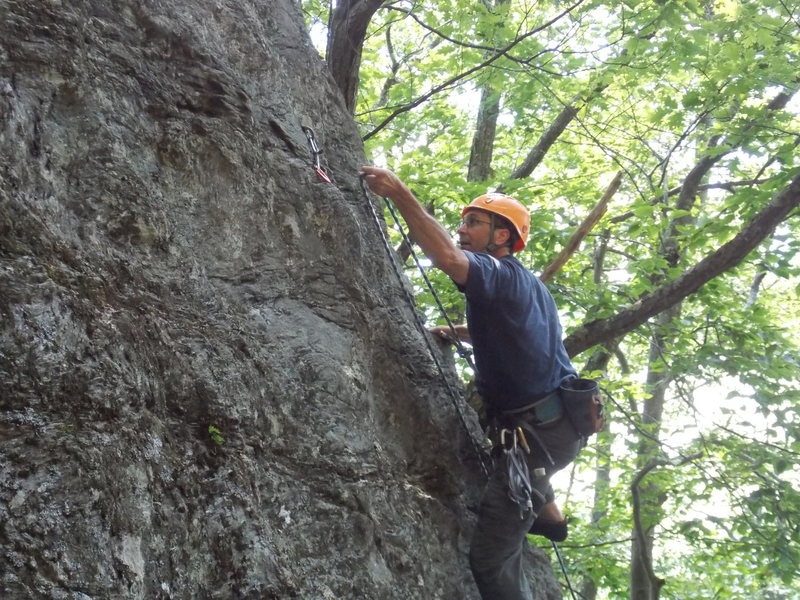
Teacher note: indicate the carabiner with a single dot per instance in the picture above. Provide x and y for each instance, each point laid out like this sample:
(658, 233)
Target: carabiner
(523, 440)
(316, 152)
(513, 445)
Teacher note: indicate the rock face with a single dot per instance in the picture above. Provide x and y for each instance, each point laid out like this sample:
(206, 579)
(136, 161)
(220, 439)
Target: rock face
(211, 383)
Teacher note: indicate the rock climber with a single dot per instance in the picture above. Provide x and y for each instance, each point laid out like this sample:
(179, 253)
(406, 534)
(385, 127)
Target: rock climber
(514, 329)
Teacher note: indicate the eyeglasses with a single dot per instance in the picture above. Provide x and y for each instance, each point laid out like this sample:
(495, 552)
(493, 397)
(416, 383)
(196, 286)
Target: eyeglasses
(471, 222)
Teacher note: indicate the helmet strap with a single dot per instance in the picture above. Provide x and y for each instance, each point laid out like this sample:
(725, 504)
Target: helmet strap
(491, 246)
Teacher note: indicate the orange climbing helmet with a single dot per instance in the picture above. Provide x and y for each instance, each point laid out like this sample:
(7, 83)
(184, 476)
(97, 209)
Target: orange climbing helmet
(509, 208)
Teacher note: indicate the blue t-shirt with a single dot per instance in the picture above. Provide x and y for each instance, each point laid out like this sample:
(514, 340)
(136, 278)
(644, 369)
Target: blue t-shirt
(515, 331)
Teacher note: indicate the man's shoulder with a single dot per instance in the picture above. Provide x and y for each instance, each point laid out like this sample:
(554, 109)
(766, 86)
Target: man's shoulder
(507, 262)
(504, 275)
(513, 264)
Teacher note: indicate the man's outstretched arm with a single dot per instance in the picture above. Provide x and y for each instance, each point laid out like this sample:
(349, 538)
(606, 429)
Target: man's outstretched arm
(432, 238)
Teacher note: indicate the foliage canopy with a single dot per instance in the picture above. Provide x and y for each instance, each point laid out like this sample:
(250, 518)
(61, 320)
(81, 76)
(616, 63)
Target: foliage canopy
(695, 104)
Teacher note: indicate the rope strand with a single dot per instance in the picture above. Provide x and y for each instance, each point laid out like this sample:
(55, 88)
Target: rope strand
(564, 570)
(462, 351)
(421, 326)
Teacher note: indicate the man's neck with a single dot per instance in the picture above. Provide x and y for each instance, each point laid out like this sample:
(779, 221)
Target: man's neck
(500, 252)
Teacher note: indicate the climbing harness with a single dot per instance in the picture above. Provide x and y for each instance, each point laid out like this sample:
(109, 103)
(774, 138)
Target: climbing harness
(316, 153)
(542, 412)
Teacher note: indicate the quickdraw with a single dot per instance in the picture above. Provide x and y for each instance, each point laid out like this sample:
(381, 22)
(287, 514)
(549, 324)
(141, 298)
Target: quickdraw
(519, 479)
(316, 153)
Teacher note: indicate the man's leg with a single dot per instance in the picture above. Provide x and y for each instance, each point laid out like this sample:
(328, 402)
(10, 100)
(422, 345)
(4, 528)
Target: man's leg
(550, 523)
(496, 549)
(563, 444)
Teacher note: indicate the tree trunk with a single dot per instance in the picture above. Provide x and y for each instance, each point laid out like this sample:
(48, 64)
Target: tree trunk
(648, 496)
(644, 584)
(347, 29)
(480, 157)
(602, 484)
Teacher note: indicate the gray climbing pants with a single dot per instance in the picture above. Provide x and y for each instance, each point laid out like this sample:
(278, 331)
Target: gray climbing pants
(497, 544)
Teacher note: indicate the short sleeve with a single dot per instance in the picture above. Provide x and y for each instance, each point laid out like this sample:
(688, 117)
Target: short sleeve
(485, 278)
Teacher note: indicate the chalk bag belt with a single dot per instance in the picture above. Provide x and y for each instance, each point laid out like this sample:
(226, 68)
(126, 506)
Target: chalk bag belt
(545, 411)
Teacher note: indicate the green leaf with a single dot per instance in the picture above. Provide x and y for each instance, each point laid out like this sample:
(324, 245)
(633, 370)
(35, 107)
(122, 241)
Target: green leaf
(652, 85)
(691, 99)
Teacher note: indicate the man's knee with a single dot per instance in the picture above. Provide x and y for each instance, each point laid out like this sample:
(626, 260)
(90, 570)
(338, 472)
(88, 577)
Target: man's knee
(483, 558)
(498, 578)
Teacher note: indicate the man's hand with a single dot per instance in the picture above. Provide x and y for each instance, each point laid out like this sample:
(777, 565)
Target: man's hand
(383, 182)
(442, 332)
(431, 237)
(446, 333)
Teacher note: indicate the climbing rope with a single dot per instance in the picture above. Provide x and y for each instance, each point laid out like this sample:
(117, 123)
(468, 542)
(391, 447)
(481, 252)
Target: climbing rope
(564, 571)
(454, 397)
(316, 163)
(463, 352)
(518, 472)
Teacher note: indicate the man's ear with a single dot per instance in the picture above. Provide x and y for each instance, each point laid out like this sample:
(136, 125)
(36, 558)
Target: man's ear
(501, 236)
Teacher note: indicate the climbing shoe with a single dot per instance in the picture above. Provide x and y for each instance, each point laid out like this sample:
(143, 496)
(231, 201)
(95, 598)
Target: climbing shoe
(555, 531)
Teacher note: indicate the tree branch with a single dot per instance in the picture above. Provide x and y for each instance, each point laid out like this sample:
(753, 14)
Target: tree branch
(548, 138)
(728, 185)
(455, 79)
(726, 257)
(583, 230)
(462, 44)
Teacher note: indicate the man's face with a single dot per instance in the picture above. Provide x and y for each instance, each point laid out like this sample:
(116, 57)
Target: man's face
(473, 233)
